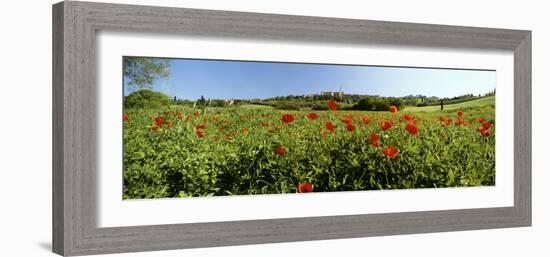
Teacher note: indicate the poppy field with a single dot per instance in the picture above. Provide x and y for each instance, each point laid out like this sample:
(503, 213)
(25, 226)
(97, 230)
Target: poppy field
(180, 151)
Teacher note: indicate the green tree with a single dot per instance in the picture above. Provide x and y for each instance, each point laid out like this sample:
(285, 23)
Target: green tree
(374, 103)
(141, 72)
(201, 102)
(146, 98)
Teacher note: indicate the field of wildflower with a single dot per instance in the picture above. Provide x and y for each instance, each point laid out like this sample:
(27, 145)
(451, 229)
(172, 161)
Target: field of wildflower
(180, 151)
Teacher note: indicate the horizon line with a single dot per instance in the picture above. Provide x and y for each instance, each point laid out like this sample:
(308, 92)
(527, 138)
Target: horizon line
(309, 95)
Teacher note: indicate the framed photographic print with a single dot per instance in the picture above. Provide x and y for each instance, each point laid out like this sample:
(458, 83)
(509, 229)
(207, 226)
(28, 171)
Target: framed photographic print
(183, 128)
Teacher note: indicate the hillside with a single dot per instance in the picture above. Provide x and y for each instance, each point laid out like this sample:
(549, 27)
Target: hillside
(485, 101)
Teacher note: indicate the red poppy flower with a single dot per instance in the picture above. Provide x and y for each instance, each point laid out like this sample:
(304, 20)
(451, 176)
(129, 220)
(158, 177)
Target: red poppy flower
(287, 118)
(460, 113)
(350, 127)
(413, 129)
(188, 118)
(480, 120)
(393, 109)
(459, 122)
(374, 139)
(159, 121)
(125, 117)
(312, 116)
(408, 117)
(387, 124)
(445, 121)
(280, 150)
(200, 133)
(305, 188)
(365, 120)
(484, 129)
(347, 119)
(332, 105)
(323, 132)
(199, 127)
(391, 152)
(487, 125)
(197, 113)
(330, 126)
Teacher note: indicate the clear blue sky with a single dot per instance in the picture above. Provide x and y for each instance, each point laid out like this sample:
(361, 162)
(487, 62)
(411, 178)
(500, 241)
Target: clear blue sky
(247, 80)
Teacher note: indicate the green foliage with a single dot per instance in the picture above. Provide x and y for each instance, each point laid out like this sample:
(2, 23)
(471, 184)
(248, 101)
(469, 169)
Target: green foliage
(349, 102)
(320, 107)
(141, 72)
(288, 105)
(217, 103)
(374, 103)
(472, 104)
(146, 99)
(201, 102)
(236, 155)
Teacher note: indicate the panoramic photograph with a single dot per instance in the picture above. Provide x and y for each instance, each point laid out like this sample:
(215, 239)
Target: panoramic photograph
(200, 128)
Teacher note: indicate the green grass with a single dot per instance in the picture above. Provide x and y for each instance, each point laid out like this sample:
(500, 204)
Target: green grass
(191, 152)
(485, 101)
(255, 106)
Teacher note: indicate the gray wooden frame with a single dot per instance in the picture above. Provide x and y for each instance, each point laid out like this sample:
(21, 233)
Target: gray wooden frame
(74, 130)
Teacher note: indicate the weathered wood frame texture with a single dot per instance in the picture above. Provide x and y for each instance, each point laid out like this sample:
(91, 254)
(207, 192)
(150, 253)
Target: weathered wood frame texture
(74, 130)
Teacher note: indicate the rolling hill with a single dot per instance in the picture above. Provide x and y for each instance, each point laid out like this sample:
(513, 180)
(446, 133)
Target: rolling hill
(485, 101)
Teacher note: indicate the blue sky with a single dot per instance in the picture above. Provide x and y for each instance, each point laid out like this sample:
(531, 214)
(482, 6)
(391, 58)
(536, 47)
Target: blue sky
(248, 80)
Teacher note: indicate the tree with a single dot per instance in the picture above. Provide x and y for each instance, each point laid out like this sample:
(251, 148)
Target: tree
(141, 72)
(146, 98)
(201, 101)
(374, 103)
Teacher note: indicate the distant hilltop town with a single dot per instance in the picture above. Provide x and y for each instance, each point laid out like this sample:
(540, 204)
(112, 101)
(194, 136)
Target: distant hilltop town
(337, 95)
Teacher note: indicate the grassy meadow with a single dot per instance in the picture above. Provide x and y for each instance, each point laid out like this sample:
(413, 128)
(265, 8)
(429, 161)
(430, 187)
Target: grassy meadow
(488, 101)
(180, 151)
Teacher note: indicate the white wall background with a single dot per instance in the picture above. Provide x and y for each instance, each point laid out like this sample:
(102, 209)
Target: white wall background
(25, 127)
